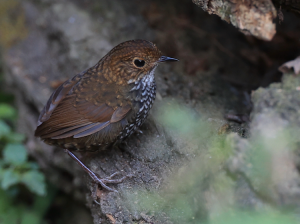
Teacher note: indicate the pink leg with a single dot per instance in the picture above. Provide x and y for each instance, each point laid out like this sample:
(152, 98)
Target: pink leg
(103, 181)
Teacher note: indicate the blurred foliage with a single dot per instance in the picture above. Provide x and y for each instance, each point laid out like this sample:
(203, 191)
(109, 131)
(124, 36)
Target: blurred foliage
(12, 23)
(14, 212)
(23, 196)
(203, 190)
(267, 217)
(14, 165)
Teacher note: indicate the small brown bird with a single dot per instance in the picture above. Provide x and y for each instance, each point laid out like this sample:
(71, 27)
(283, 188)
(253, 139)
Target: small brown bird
(103, 104)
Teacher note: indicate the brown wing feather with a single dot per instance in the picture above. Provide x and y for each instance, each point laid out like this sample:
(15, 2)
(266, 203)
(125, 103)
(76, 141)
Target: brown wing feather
(57, 96)
(120, 113)
(62, 131)
(72, 112)
(92, 130)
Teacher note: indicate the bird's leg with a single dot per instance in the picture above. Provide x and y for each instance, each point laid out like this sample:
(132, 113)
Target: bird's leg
(96, 179)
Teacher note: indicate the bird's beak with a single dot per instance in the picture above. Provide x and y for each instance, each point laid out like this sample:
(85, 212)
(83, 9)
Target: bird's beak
(165, 58)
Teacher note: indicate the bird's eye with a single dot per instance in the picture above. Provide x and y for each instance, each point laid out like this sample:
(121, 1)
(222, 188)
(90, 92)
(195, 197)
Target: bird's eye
(139, 63)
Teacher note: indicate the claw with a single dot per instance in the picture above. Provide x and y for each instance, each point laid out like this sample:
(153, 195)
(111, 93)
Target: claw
(103, 182)
(114, 174)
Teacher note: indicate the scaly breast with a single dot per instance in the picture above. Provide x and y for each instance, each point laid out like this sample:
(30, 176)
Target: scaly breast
(143, 95)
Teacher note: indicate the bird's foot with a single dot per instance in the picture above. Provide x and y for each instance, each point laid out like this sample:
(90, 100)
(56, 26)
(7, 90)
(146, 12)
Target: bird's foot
(104, 181)
(109, 180)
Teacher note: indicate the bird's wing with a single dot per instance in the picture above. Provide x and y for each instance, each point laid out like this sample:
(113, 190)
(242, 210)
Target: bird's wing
(82, 109)
(57, 96)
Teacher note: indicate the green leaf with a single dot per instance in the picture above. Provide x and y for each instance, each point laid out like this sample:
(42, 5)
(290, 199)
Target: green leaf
(15, 137)
(7, 111)
(15, 154)
(32, 165)
(35, 181)
(4, 129)
(11, 216)
(2, 163)
(4, 97)
(1, 174)
(9, 178)
(30, 217)
(9, 213)
(29, 166)
(41, 204)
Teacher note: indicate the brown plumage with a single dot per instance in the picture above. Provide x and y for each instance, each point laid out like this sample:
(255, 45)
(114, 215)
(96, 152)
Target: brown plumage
(104, 103)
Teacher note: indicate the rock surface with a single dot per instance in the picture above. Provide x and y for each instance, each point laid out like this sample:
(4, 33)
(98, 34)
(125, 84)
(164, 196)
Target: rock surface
(275, 122)
(66, 37)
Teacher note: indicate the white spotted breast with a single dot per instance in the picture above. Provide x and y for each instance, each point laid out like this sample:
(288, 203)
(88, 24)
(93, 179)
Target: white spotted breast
(143, 94)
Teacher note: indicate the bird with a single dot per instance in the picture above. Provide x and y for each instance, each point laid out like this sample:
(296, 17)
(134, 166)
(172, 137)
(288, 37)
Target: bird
(104, 104)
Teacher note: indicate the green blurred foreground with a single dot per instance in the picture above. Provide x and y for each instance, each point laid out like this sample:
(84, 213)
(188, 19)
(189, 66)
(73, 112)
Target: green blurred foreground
(14, 165)
(204, 190)
(22, 185)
